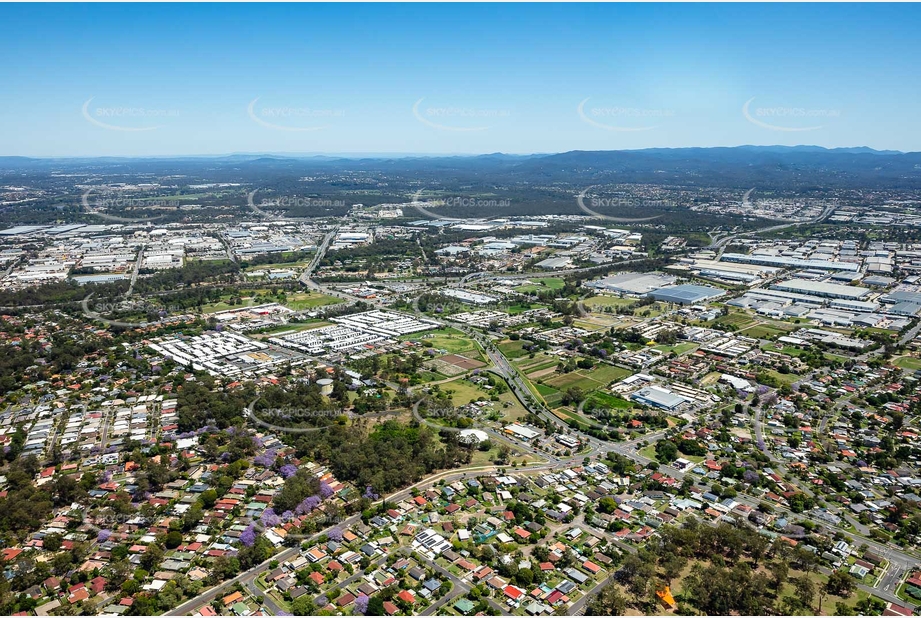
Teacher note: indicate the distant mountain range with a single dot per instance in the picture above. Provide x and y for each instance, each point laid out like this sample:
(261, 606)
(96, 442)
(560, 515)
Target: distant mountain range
(764, 166)
(496, 156)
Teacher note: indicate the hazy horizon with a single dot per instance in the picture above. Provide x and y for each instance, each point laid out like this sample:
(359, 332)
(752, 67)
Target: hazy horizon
(431, 155)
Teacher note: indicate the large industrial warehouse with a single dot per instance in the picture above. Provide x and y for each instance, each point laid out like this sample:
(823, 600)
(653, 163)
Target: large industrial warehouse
(686, 294)
(821, 288)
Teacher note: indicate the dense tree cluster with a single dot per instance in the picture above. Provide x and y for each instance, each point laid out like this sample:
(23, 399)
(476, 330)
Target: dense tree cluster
(390, 456)
(734, 571)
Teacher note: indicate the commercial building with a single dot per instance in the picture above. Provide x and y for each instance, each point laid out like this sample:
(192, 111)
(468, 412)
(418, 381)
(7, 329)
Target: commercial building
(786, 262)
(521, 431)
(686, 294)
(632, 283)
(555, 263)
(822, 289)
(469, 297)
(658, 397)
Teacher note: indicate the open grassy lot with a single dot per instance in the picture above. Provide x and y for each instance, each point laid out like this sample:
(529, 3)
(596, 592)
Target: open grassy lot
(567, 414)
(788, 378)
(588, 380)
(458, 343)
(679, 348)
(607, 373)
(219, 306)
(539, 361)
(516, 308)
(549, 364)
(547, 283)
(574, 379)
(301, 301)
(908, 362)
(653, 310)
(592, 323)
(549, 394)
(737, 319)
(608, 301)
(512, 349)
(766, 330)
(464, 392)
(606, 400)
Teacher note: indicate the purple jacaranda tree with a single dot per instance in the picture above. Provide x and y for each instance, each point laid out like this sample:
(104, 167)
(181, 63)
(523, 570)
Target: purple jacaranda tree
(287, 515)
(265, 459)
(249, 536)
(361, 604)
(325, 490)
(288, 470)
(103, 535)
(335, 534)
(307, 505)
(269, 518)
(369, 493)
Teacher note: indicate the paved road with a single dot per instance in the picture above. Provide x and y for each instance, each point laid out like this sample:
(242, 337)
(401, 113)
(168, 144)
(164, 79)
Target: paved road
(725, 240)
(267, 601)
(135, 271)
(227, 248)
(318, 256)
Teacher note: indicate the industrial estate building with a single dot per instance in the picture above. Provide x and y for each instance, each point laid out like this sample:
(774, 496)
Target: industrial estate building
(822, 289)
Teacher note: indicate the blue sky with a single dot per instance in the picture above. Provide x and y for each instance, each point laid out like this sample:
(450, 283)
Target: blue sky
(164, 79)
